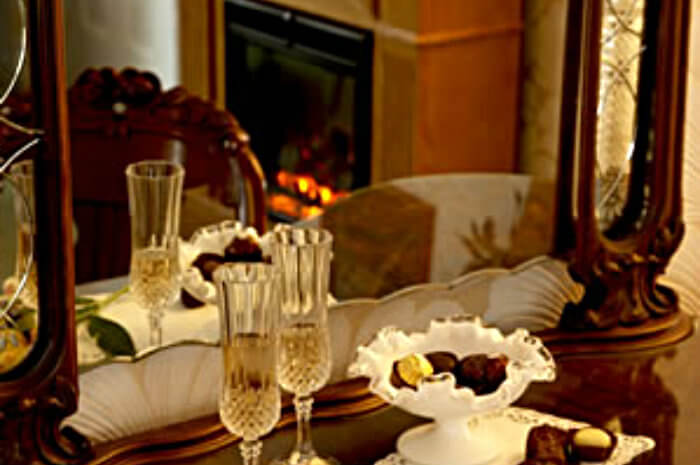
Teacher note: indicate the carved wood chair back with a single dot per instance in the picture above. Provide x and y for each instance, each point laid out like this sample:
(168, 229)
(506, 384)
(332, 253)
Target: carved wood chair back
(117, 118)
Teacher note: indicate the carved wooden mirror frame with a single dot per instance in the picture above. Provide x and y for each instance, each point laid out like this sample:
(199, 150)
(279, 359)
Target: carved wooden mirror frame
(620, 274)
(43, 389)
(620, 267)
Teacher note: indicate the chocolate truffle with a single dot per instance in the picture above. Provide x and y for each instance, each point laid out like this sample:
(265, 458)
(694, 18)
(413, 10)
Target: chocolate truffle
(206, 263)
(547, 444)
(442, 362)
(190, 301)
(408, 371)
(591, 444)
(495, 373)
(243, 249)
(470, 372)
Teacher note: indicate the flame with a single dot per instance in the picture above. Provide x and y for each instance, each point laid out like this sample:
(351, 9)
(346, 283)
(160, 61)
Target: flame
(303, 185)
(326, 194)
(282, 178)
(313, 210)
(306, 197)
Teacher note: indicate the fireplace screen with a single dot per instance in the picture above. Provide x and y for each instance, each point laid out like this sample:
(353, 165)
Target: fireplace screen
(301, 87)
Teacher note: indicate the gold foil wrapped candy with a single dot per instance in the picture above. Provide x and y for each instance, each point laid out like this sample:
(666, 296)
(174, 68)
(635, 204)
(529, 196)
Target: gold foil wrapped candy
(408, 371)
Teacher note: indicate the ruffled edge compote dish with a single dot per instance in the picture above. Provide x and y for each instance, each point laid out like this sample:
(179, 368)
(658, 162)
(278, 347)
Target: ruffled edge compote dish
(212, 239)
(454, 437)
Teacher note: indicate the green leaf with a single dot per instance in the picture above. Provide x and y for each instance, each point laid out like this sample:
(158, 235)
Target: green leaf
(24, 319)
(111, 337)
(84, 300)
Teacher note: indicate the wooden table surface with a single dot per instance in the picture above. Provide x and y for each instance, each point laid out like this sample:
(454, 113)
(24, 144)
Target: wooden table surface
(654, 393)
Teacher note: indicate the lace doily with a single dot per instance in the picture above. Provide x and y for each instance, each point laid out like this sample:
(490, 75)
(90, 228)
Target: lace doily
(627, 448)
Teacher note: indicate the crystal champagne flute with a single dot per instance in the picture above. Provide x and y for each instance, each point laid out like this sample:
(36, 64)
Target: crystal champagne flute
(22, 174)
(303, 257)
(249, 401)
(155, 192)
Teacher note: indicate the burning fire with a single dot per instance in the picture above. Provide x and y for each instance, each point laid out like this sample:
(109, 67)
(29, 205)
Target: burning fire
(309, 198)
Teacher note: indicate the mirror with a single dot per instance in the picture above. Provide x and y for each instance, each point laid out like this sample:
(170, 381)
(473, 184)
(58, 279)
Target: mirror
(13, 43)
(18, 303)
(619, 136)
(435, 195)
(348, 111)
(336, 144)
(18, 300)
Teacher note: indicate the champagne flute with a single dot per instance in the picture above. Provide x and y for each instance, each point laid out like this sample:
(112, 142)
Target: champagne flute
(303, 257)
(155, 192)
(249, 403)
(22, 174)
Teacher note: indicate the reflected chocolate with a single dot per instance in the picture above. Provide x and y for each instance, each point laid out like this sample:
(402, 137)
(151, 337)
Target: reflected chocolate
(206, 263)
(190, 301)
(243, 249)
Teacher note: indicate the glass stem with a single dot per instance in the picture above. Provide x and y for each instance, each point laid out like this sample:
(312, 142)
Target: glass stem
(156, 329)
(250, 451)
(303, 406)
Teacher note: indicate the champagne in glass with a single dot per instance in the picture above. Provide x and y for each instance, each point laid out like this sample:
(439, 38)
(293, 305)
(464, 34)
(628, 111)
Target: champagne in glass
(250, 398)
(249, 402)
(155, 191)
(305, 359)
(154, 276)
(303, 257)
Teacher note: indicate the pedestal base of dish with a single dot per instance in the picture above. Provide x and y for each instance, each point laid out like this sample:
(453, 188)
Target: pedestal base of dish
(457, 442)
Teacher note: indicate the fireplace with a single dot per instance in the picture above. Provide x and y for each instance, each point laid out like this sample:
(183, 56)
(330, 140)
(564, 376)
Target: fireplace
(301, 86)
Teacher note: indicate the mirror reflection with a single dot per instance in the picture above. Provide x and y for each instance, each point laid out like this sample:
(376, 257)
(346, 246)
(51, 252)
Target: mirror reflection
(622, 46)
(319, 124)
(12, 42)
(18, 301)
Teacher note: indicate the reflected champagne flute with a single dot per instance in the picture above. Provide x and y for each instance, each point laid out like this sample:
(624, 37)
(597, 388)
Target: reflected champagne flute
(249, 401)
(155, 192)
(303, 257)
(22, 174)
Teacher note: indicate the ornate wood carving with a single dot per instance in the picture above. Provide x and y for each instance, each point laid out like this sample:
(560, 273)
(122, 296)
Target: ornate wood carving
(118, 118)
(620, 267)
(118, 104)
(42, 390)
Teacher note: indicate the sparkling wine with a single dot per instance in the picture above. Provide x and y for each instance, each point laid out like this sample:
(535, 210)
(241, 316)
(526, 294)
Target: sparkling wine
(250, 398)
(154, 277)
(305, 360)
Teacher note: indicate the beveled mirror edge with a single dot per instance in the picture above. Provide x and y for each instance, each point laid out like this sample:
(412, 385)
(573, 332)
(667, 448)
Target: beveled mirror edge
(42, 390)
(22, 53)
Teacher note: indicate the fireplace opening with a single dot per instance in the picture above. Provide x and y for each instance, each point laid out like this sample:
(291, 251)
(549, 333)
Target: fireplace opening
(301, 86)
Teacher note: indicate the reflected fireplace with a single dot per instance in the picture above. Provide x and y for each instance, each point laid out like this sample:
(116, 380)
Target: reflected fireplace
(301, 86)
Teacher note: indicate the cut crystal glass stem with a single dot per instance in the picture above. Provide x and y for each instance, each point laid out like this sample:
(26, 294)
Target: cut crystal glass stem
(250, 451)
(303, 406)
